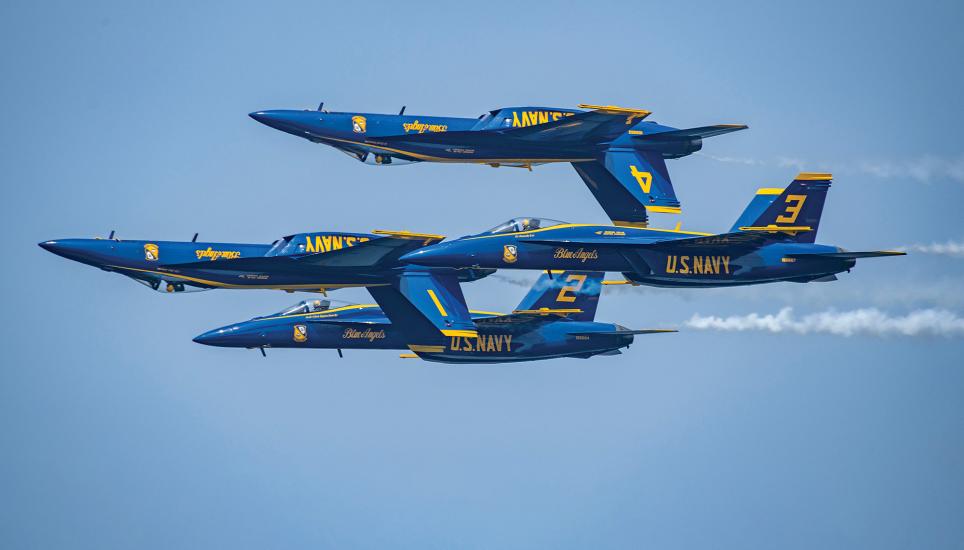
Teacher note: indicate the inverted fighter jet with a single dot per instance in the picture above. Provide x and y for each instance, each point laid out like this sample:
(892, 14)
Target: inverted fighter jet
(620, 156)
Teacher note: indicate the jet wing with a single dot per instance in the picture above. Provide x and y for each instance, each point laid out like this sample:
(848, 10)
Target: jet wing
(691, 133)
(521, 317)
(849, 255)
(626, 331)
(600, 124)
(368, 254)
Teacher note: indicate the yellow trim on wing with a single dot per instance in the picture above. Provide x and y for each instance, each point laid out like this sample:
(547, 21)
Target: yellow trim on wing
(774, 228)
(426, 349)
(664, 209)
(477, 312)
(769, 191)
(438, 304)
(621, 223)
(814, 176)
(613, 109)
(547, 311)
(408, 234)
(407, 356)
(463, 333)
(616, 283)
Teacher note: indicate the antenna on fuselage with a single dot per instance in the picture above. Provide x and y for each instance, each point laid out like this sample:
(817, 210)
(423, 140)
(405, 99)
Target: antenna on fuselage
(194, 240)
(111, 236)
(263, 354)
(340, 356)
(321, 106)
(402, 112)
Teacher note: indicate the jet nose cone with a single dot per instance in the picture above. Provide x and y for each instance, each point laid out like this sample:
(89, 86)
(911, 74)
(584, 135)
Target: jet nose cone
(72, 249)
(224, 337)
(286, 121)
(205, 338)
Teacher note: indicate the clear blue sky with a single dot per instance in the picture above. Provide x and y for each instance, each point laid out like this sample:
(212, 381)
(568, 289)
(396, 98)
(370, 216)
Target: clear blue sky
(118, 432)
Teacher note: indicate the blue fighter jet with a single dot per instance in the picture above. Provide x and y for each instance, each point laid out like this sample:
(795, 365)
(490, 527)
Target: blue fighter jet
(306, 261)
(555, 319)
(620, 156)
(773, 240)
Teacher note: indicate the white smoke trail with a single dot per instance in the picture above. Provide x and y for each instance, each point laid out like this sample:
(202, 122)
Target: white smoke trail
(872, 321)
(949, 248)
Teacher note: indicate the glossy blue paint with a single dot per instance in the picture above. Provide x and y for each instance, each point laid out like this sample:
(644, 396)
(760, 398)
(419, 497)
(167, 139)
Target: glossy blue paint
(306, 261)
(619, 156)
(521, 336)
(752, 253)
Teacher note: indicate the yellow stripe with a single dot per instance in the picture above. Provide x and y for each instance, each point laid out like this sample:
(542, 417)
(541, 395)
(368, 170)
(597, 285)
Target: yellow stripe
(616, 283)
(407, 356)
(615, 109)
(477, 312)
(546, 311)
(664, 209)
(814, 176)
(465, 333)
(569, 225)
(620, 223)
(769, 191)
(426, 349)
(431, 294)
(778, 228)
(408, 234)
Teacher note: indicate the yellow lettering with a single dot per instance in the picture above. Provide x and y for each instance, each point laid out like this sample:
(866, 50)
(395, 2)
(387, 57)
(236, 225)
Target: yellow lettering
(670, 264)
(508, 342)
(310, 247)
(698, 264)
(349, 242)
(515, 120)
(726, 264)
(543, 117)
(491, 344)
(335, 242)
(319, 244)
(684, 268)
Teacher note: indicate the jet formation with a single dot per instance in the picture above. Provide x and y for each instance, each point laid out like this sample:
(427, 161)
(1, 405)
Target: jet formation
(415, 278)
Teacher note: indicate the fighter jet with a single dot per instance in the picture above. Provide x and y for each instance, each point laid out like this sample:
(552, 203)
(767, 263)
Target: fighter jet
(620, 156)
(314, 262)
(773, 240)
(555, 319)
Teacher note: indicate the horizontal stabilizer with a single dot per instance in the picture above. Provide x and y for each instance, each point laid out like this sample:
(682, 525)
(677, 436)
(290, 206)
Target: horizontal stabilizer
(849, 255)
(625, 332)
(692, 133)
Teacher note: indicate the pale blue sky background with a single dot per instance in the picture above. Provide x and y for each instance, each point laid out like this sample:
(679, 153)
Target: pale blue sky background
(116, 431)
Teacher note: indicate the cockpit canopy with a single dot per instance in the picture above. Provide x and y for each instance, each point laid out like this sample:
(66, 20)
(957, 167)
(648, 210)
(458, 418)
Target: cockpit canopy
(517, 225)
(305, 306)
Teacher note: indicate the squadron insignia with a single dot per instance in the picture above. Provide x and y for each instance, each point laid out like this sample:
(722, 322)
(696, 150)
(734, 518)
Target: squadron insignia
(301, 333)
(358, 124)
(151, 252)
(510, 253)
